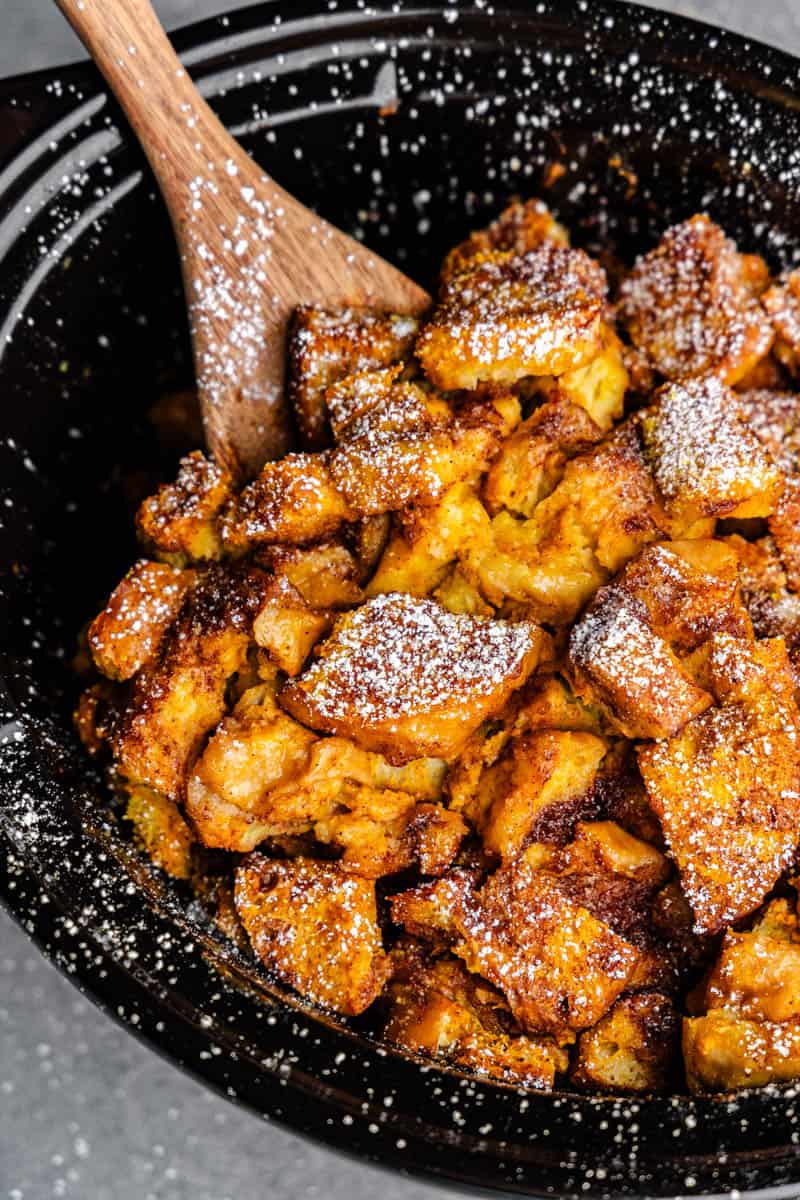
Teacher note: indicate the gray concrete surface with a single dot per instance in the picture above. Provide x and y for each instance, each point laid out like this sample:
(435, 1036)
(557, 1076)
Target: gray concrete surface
(85, 1111)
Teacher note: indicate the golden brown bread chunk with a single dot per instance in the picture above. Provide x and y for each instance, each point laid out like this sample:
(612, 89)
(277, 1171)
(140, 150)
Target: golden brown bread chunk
(422, 547)
(757, 974)
(774, 417)
(374, 404)
(691, 307)
(723, 1051)
(436, 1007)
(315, 927)
(180, 523)
(531, 461)
(405, 677)
(705, 461)
(773, 609)
(727, 788)
(160, 830)
(325, 574)
(180, 696)
(509, 315)
(519, 227)
(143, 605)
(623, 650)
(599, 387)
(325, 346)
(559, 967)
(633, 1048)
(537, 789)
(286, 627)
(294, 500)
(604, 510)
(782, 304)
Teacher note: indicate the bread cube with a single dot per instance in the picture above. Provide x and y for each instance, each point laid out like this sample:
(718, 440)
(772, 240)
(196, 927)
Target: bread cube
(315, 928)
(599, 387)
(519, 228)
(559, 968)
(180, 523)
(325, 346)
(623, 650)
(381, 832)
(286, 627)
(508, 315)
(143, 605)
(757, 974)
(727, 788)
(160, 830)
(531, 461)
(705, 461)
(782, 305)
(538, 789)
(326, 574)
(691, 305)
(723, 1051)
(293, 500)
(377, 404)
(180, 696)
(441, 1009)
(406, 678)
(773, 609)
(633, 1048)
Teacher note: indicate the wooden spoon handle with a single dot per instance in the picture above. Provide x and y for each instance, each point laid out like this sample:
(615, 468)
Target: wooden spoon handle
(175, 126)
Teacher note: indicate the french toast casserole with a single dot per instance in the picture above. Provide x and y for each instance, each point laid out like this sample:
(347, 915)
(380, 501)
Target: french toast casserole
(479, 712)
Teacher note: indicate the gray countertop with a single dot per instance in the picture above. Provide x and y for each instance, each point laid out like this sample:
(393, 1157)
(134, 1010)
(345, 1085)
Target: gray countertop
(87, 1112)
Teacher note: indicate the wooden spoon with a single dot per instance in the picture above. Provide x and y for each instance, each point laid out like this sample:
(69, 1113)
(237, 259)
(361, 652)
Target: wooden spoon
(250, 252)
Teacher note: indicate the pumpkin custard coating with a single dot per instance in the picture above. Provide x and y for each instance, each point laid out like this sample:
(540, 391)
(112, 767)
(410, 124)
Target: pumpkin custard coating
(475, 717)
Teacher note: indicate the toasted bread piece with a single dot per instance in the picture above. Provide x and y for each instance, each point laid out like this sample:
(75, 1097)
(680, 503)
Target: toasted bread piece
(421, 549)
(531, 461)
(180, 523)
(315, 927)
(723, 1051)
(381, 832)
(604, 510)
(559, 967)
(325, 574)
(774, 417)
(707, 462)
(378, 404)
(143, 605)
(160, 830)
(180, 696)
(623, 650)
(757, 974)
(286, 627)
(599, 387)
(727, 788)
(407, 678)
(519, 227)
(782, 304)
(773, 609)
(691, 305)
(325, 346)
(633, 1048)
(509, 315)
(294, 501)
(440, 1009)
(537, 790)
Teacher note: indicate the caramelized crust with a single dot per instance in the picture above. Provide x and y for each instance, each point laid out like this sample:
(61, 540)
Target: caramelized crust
(559, 968)
(727, 789)
(782, 305)
(325, 346)
(438, 1008)
(519, 228)
(509, 315)
(294, 500)
(286, 627)
(180, 522)
(631, 1049)
(143, 605)
(180, 696)
(723, 1052)
(315, 928)
(757, 974)
(623, 652)
(406, 678)
(706, 462)
(774, 610)
(325, 574)
(691, 305)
